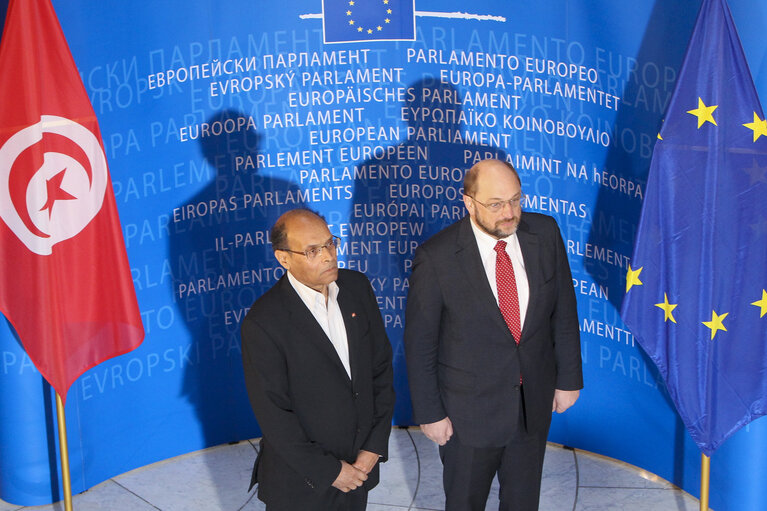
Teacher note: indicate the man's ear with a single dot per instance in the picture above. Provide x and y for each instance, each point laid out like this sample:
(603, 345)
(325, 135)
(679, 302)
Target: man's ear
(468, 203)
(282, 258)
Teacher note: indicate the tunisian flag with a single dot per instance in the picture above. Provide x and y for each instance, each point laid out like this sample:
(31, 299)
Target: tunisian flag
(65, 283)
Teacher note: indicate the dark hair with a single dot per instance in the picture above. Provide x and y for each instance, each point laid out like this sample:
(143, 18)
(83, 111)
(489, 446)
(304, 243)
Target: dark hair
(279, 234)
(470, 180)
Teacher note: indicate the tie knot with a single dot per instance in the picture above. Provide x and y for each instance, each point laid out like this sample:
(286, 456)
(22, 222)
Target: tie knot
(500, 246)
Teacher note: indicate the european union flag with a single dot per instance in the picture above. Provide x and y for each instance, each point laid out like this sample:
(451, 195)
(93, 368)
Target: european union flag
(696, 296)
(347, 21)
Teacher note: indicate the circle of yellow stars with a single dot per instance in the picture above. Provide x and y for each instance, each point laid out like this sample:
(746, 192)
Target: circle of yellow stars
(705, 114)
(369, 31)
(717, 320)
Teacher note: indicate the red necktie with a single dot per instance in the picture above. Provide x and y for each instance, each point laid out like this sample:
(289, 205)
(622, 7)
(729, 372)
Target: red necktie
(508, 301)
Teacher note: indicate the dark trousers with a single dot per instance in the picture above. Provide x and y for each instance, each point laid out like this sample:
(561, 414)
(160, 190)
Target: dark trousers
(468, 472)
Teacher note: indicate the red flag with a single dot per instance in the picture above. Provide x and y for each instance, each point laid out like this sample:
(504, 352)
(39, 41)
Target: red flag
(65, 283)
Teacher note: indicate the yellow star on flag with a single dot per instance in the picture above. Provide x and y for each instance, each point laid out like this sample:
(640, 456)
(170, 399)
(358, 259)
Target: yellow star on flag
(762, 304)
(667, 308)
(379, 28)
(348, 13)
(716, 323)
(351, 22)
(359, 29)
(632, 278)
(370, 31)
(704, 113)
(759, 127)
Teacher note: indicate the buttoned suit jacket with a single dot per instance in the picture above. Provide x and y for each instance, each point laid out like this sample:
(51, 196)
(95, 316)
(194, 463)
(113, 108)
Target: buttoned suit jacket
(311, 413)
(463, 362)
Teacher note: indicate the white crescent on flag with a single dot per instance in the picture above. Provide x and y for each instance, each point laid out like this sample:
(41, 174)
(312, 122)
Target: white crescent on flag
(55, 202)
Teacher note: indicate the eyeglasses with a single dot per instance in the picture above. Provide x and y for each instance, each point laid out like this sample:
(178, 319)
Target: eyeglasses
(314, 252)
(497, 206)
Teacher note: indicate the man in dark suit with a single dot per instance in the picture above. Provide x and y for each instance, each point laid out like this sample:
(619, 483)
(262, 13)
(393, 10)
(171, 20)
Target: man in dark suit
(492, 342)
(319, 375)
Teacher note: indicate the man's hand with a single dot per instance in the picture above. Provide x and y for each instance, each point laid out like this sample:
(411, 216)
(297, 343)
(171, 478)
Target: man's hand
(564, 399)
(439, 431)
(365, 461)
(350, 478)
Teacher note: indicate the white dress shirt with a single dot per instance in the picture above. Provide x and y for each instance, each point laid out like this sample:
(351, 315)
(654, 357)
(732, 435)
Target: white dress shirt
(328, 315)
(486, 245)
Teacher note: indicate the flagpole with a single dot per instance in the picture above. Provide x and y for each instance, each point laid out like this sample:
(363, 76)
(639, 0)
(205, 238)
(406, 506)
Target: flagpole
(64, 453)
(705, 472)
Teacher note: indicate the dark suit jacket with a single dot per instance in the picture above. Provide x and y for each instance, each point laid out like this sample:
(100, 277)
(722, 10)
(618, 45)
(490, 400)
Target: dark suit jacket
(311, 414)
(462, 360)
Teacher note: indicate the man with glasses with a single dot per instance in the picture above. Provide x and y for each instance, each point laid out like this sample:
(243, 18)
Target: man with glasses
(492, 342)
(318, 369)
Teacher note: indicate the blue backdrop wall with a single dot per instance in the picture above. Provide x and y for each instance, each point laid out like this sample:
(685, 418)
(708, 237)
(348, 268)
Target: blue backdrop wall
(219, 116)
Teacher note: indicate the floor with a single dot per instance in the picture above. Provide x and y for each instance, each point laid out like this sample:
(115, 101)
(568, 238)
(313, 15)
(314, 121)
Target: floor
(217, 479)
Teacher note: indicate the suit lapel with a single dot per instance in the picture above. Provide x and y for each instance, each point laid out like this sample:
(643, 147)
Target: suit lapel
(471, 263)
(349, 311)
(302, 320)
(528, 243)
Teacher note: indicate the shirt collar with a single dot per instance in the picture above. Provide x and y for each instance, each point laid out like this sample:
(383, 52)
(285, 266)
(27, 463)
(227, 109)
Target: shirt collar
(312, 296)
(485, 242)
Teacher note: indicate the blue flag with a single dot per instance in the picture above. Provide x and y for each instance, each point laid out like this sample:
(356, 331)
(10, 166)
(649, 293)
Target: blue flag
(368, 20)
(696, 289)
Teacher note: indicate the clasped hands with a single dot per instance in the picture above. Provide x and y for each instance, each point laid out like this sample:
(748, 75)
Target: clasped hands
(352, 476)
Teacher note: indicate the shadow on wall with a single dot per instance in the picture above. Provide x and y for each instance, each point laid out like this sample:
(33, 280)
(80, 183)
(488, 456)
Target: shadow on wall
(222, 260)
(617, 209)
